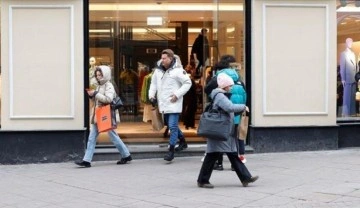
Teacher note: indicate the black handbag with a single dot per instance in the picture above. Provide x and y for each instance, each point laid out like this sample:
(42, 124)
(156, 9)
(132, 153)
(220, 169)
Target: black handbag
(117, 103)
(215, 124)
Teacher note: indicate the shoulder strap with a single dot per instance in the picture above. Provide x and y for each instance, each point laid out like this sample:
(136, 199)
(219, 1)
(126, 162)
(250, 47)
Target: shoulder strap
(212, 101)
(240, 82)
(210, 105)
(116, 88)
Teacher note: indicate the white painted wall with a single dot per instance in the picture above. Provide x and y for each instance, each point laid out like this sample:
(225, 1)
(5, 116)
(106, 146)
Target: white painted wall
(294, 63)
(42, 65)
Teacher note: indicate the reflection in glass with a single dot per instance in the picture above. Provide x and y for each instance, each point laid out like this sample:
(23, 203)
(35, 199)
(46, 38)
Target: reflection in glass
(348, 45)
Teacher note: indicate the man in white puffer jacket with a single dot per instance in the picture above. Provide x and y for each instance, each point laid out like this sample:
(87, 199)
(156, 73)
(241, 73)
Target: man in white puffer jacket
(169, 83)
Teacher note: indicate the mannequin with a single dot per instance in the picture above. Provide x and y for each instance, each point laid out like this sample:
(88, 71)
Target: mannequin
(347, 73)
(93, 83)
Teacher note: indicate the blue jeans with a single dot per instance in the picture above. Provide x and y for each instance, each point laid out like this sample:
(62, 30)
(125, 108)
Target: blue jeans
(94, 133)
(173, 124)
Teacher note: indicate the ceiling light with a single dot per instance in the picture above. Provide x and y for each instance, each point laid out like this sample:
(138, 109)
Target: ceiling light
(348, 9)
(154, 20)
(160, 30)
(167, 7)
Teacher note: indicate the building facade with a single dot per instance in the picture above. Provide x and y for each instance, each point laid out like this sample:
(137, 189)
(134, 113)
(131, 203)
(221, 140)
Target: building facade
(289, 53)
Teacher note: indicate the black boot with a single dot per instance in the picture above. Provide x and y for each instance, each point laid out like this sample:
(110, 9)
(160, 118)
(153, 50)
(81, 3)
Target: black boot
(170, 155)
(218, 166)
(83, 164)
(182, 145)
(124, 160)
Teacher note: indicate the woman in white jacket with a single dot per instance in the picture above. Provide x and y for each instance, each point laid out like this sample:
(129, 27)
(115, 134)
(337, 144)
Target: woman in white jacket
(169, 83)
(103, 95)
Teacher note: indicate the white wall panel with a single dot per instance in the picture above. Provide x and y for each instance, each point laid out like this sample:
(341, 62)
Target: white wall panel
(294, 63)
(42, 65)
(41, 68)
(296, 59)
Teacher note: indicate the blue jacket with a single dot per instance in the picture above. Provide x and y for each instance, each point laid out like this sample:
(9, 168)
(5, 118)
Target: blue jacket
(238, 93)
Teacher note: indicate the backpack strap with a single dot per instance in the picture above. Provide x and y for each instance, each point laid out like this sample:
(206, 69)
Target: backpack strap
(240, 82)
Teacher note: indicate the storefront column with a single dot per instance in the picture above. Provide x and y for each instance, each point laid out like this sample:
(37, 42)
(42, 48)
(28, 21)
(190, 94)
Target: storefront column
(42, 47)
(293, 75)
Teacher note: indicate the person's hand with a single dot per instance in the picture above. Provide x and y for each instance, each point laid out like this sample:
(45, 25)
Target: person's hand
(173, 98)
(153, 101)
(247, 109)
(90, 92)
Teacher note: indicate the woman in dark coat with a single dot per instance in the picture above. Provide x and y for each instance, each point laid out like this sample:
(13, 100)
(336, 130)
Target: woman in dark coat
(215, 148)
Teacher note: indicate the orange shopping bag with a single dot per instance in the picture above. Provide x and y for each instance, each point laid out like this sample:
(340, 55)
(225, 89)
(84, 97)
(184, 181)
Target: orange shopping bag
(105, 119)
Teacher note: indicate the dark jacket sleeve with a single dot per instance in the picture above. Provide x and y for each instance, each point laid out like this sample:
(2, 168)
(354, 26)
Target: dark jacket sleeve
(211, 85)
(196, 46)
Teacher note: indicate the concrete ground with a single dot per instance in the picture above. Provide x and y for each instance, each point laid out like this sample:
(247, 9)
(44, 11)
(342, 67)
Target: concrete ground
(297, 179)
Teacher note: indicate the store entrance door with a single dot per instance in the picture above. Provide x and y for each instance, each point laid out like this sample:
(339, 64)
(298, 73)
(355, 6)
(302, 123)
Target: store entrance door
(130, 37)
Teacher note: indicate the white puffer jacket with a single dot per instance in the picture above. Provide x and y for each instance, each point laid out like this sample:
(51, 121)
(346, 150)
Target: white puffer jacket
(104, 93)
(173, 81)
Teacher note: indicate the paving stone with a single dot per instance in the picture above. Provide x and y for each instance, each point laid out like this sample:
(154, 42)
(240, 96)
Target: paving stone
(294, 179)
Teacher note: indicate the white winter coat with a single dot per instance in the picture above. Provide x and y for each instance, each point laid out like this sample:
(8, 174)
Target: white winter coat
(104, 93)
(173, 81)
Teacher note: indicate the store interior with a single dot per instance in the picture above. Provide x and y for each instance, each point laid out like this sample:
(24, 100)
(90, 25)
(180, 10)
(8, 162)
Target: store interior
(348, 44)
(129, 37)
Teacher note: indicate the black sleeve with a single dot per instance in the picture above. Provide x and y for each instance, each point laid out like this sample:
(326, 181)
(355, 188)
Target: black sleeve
(211, 85)
(195, 47)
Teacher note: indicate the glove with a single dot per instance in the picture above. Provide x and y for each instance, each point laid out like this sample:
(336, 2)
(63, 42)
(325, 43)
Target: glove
(153, 102)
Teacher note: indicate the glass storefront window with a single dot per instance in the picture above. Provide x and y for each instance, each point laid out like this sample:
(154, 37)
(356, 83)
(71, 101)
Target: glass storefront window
(130, 35)
(348, 62)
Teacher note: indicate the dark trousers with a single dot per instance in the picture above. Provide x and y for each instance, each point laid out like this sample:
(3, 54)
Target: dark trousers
(241, 151)
(241, 147)
(207, 167)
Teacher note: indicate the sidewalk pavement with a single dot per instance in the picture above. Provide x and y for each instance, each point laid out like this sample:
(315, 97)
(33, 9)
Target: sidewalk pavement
(298, 179)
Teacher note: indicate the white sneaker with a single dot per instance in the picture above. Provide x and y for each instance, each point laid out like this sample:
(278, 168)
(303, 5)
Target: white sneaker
(203, 158)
